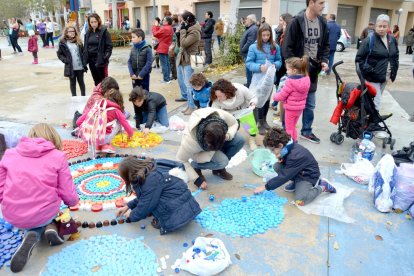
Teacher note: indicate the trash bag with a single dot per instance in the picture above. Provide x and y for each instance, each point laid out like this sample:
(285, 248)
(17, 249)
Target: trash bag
(176, 123)
(263, 83)
(156, 128)
(404, 187)
(361, 171)
(382, 184)
(77, 103)
(208, 256)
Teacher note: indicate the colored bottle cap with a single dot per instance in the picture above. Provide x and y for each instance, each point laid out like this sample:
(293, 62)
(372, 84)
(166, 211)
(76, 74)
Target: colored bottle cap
(142, 226)
(74, 208)
(97, 207)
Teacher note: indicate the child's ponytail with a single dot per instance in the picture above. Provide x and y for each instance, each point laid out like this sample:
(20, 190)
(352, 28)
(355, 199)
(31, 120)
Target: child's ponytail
(299, 64)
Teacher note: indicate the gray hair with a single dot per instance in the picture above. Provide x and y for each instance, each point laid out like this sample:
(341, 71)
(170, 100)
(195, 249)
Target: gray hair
(252, 17)
(383, 17)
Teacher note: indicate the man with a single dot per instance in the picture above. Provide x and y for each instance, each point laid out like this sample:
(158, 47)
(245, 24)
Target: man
(307, 34)
(248, 38)
(366, 32)
(138, 24)
(334, 35)
(206, 32)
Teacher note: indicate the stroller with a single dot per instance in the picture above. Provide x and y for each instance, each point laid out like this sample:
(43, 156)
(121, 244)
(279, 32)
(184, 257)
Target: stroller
(355, 112)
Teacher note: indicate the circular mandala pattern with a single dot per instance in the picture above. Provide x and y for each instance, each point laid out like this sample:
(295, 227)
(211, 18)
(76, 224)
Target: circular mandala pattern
(101, 185)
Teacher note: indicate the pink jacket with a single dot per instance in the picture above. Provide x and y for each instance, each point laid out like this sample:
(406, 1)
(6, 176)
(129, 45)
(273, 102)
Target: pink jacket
(34, 179)
(294, 93)
(97, 94)
(32, 45)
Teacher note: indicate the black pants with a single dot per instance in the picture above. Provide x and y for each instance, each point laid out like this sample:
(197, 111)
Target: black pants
(77, 75)
(34, 54)
(98, 73)
(262, 112)
(43, 36)
(14, 43)
(173, 66)
(409, 50)
(49, 36)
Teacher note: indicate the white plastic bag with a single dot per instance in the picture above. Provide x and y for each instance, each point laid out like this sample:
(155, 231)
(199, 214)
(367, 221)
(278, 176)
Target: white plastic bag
(77, 103)
(11, 136)
(382, 183)
(404, 187)
(156, 128)
(361, 171)
(208, 256)
(176, 123)
(262, 84)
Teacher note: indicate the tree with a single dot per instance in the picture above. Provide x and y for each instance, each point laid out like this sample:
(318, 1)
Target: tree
(15, 8)
(234, 10)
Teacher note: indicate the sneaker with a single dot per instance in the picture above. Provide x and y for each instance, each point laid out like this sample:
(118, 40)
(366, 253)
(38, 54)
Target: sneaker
(326, 186)
(289, 188)
(52, 235)
(107, 149)
(311, 138)
(23, 252)
(165, 82)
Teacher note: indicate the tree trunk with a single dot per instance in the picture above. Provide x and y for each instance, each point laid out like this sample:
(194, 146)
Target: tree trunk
(234, 10)
(114, 15)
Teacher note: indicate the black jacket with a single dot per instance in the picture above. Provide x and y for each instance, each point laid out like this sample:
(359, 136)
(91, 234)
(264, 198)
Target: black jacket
(208, 29)
(299, 164)
(167, 198)
(140, 60)
(104, 47)
(248, 38)
(152, 103)
(64, 55)
(376, 69)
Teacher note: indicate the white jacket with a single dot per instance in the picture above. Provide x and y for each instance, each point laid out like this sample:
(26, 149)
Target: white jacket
(243, 98)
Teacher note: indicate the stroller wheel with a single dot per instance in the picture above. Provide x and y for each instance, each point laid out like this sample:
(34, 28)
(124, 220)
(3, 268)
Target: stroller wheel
(339, 139)
(333, 136)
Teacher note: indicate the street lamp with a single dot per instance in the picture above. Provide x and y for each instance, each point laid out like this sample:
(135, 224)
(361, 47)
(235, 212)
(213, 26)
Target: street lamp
(399, 12)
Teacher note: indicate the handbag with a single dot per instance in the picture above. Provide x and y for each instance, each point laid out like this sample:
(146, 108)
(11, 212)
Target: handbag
(197, 62)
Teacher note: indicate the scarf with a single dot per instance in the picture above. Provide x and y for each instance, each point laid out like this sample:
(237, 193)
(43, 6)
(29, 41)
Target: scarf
(139, 45)
(212, 118)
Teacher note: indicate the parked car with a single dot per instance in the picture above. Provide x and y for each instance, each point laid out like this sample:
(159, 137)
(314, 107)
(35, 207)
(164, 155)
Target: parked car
(344, 41)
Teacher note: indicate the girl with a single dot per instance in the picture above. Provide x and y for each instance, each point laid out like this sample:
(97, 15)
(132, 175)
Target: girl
(262, 51)
(37, 171)
(164, 196)
(41, 27)
(232, 97)
(114, 111)
(15, 28)
(32, 46)
(149, 107)
(99, 91)
(49, 33)
(98, 48)
(70, 53)
(294, 92)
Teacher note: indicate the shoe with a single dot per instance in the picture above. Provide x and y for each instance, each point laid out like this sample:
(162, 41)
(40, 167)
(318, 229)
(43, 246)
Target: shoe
(14, 53)
(47, 46)
(311, 138)
(252, 143)
(23, 252)
(223, 174)
(35, 61)
(20, 54)
(52, 235)
(185, 109)
(289, 188)
(266, 125)
(262, 126)
(385, 117)
(180, 100)
(166, 82)
(189, 111)
(326, 186)
(107, 149)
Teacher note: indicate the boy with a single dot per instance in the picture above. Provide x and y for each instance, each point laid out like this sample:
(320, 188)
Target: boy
(140, 59)
(296, 163)
(201, 90)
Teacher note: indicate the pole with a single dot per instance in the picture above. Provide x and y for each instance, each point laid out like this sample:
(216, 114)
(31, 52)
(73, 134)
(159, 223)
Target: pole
(114, 15)
(153, 10)
(398, 20)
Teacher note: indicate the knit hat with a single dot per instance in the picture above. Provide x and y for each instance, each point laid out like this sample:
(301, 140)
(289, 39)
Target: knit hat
(31, 32)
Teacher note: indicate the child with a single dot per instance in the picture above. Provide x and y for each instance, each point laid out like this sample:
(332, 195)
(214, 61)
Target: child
(295, 163)
(70, 53)
(201, 90)
(294, 92)
(149, 107)
(140, 59)
(34, 180)
(32, 46)
(99, 91)
(164, 196)
(114, 103)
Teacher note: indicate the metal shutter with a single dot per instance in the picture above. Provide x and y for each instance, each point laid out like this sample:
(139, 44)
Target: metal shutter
(346, 18)
(137, 15)
(247, 7)
(292, 6)
(374, 14)
(202, 8)
(150, 19)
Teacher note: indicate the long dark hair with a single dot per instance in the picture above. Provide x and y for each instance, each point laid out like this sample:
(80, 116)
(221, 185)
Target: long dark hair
(135, 170)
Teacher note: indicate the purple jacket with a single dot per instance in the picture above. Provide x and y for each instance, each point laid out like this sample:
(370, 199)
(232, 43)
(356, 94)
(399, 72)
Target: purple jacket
(41, 27)
(294, 93)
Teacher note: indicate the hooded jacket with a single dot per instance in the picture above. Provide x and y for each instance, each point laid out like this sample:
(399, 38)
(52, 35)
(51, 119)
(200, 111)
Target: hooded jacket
(242, 99)
(208, 28)
(65, 56)
(189, 40)
(104, 47)
(34, 179)
(164, 35)
(294, 93)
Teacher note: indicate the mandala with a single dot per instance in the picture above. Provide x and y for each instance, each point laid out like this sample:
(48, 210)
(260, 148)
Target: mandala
(74, 148)
(138, 140)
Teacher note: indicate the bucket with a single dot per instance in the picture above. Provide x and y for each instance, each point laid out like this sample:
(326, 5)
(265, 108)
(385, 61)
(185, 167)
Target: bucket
(262, 161)
(247, 120)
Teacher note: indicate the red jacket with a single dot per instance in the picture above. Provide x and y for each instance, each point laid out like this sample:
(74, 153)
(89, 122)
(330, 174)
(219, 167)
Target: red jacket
(164, 35)
(32, 46)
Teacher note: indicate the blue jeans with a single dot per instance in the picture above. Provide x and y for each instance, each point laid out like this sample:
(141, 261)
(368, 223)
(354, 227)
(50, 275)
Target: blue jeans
(184, 74)
(249, 75)
(165, 66)
(307, 116)
(221, 157)
(331, 60)
(41, 229)
(161, 116)
(219, 40)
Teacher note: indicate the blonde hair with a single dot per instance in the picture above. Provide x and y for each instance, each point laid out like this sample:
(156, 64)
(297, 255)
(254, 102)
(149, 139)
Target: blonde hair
(47, 132)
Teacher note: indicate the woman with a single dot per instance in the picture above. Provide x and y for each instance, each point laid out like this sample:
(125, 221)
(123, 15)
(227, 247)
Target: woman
(262, 51)
(219, 27)
(380, 63)
(41, 27)
(49, 33)
(98, 48)
(15, 26)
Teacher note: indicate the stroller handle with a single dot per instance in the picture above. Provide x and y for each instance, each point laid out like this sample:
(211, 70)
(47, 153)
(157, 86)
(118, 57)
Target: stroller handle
(360, 76)
(334, 66)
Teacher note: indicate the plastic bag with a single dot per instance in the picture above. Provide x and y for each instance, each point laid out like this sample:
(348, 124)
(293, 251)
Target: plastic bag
(404, 187)
(208, 256)
(262, 84)
(382, 183)
(11, 136)
(176, 123)
(361, 171)
(411, 211)
(77, 103)
(156, 128)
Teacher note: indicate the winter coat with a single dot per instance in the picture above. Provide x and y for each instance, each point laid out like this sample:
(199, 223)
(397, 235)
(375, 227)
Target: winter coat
(140, 60)
(334, 34)
(97, 94)
(34, 179)
(189, 40)
(409, 39)
(167, 198)
(243, 99)
(248, 38)
(294, 93)
(190, 148)
(65, 56)
(255, 57)
(32, 45)
(113, 114)
(41, 27)
(299, 164)
(164, 35)
(104, 47)
(152, 104)
(202, 97)
(207, 29)
(377, 63)
(219, 28)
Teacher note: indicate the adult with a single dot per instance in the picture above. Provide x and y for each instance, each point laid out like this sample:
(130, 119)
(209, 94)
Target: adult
(15, 25)
(379, 64)
(219, 28)
(334, 35)
(41, 27)
(29, 25)
(49, 33)
(189, 37)
(173, 50)
(308, 34)
(365, 32)
(396, 32)
(248, 38)
(164, 35)
(138, 24)
(409, 41)
(207, 30)
(210, 140)
(98, 48)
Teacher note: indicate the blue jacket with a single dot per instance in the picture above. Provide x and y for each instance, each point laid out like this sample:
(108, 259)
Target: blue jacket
(334, 34)
(255, 57)
(202, 97)
(167, 198)
(249, 36)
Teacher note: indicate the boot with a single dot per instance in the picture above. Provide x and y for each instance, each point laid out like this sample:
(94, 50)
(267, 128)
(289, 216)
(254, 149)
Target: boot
(252, 143)
(262, 126)
(35, 61)
(189, 111)
(222, 173)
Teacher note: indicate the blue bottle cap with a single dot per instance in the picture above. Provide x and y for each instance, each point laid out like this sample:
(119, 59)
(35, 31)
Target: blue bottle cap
(185, 244)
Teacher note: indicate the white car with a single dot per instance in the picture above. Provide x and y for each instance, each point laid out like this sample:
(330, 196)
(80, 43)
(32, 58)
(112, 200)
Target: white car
(344, 41)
